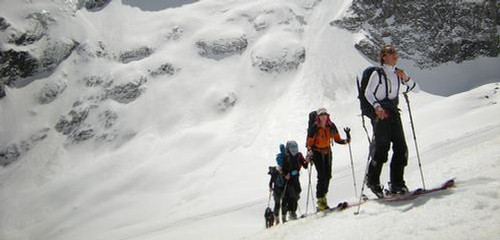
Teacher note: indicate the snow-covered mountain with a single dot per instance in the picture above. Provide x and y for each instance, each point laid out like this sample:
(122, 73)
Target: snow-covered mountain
(153, 120)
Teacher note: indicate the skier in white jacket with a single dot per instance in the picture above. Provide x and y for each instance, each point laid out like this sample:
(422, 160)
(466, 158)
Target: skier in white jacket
(382, 93)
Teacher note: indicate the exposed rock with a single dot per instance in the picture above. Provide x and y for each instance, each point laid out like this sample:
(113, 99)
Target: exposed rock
(55, 53)
(220, 48)
(38, 24)
(273, 57)
(70, 124)
(9, 154)
(102, 51)
(3, 24)
(93, 81)
(98, 50)
(2, 91)
(95, 5)
(278, 16)
(13, 152)
(97, 81)
(135, 54)
(108, 118)
(14, 65)
(50, 91)
(82, 135)
(127, 92)
(227, 102)
(369, 48)
(164, 69)
(428, 32)
(175, 33)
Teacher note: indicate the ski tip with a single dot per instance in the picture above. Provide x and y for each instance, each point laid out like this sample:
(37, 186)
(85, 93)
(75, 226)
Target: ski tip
(449, 183)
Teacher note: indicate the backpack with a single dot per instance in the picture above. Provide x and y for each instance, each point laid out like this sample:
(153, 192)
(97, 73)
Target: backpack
(280, 156)
(312, 126)
(366, 107)
(276, 177)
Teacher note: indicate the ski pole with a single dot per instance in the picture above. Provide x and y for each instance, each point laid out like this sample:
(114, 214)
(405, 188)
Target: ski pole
(348, 134)
(370, 155)
(364, 183)
(308, 189)
(415, 139)
(269, 200)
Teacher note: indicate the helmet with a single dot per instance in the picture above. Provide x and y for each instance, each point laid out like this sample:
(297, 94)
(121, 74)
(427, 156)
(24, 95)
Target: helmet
(293, 147)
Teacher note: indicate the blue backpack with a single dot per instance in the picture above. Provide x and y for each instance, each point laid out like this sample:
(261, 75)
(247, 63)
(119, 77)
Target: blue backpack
(281, 156)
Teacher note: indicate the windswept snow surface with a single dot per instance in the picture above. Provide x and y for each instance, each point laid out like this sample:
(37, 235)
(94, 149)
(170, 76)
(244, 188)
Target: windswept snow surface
(186, 168)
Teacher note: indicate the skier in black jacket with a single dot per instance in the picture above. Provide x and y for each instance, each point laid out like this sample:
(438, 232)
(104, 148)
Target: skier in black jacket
(292, 164)
(276, 186)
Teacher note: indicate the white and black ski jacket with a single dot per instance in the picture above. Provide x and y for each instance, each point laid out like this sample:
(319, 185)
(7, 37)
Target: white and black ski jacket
(377, 90)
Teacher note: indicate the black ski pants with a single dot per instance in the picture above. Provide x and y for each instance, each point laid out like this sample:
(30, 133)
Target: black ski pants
(323, 163)
(388, 131)
(292, 195)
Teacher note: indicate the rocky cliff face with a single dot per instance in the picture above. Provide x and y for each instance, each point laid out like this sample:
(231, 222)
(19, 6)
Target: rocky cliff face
(428, 32)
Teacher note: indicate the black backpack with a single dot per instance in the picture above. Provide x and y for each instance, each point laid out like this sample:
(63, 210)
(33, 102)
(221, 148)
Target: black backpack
(311, 127)
(366, 107)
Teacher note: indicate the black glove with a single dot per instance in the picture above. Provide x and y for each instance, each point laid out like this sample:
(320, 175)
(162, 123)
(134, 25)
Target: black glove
(347, 131)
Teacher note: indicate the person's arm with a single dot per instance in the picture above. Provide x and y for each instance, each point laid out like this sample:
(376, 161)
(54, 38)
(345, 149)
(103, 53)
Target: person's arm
(303, 161)
(407, 81)
(338, 139)
(371, 89)
(336, 135)
(371, 92)
(287, 168)
(310, 142)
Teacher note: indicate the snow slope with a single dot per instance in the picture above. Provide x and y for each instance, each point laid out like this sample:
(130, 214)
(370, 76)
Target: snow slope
(463, 144)
(182, 168)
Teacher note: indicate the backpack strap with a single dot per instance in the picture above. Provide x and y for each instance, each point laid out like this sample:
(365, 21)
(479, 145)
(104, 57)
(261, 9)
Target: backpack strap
(381, 73)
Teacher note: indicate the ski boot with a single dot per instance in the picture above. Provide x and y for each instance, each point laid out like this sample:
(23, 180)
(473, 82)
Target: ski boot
(276, 219)
(377, 189)
(322, 204)
(398, 189)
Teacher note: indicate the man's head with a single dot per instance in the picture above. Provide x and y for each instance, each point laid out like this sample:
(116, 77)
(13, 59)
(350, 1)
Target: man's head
(388, 55)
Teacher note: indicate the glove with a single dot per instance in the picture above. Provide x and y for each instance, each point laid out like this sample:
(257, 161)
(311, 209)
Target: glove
(309, 155)
(347, 131)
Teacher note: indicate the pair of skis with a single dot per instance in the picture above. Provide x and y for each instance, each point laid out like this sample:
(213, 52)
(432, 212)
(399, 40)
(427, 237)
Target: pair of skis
(390, 197)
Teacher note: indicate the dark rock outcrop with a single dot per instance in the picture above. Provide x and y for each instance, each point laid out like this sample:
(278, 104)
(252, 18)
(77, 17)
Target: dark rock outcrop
(289, 59)
(12, 152)
(164, 69)
(95, 5)
(38, 24)
(227, 102)
(220, 48)
(50, 91)
(3, 24)
(2, 91)
(428, 32)
(135, 54)
(17, 65)
(71, 123)
(127, 92)
(108, 118)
